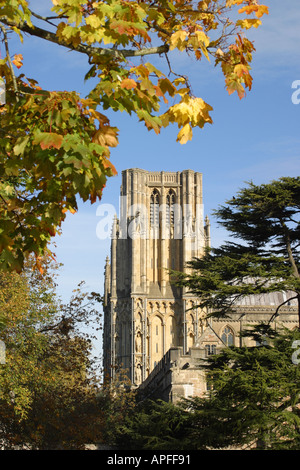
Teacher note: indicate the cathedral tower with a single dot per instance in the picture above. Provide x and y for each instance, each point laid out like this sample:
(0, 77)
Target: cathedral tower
(160, 227)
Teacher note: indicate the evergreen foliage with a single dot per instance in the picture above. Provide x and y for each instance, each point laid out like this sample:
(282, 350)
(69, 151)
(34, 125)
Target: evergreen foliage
(264, 254)
(255, 400)
(254, 403)
(155, 425)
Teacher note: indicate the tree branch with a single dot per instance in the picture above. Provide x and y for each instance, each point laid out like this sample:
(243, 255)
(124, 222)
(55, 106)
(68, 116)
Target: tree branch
(14, 80)
(280, 305)
(84, 48)
(289, 249)
(45, 18)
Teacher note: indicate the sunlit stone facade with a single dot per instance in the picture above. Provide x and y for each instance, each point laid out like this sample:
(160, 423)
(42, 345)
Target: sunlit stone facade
(160, 226)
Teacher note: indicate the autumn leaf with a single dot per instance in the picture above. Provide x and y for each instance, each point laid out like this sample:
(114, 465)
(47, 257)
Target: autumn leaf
(108, 165)
(151, 122)
(240, 70)
(248, 23)
(128, 83)
(106, 136)
(167, 86)
(39, 266)
(262, 9)
(259, 10)
(70, 209)
(185, 134)
(235, 85)
(93, 20)
(178, 40)
(193, 111)
(17, 60)
(48, 140)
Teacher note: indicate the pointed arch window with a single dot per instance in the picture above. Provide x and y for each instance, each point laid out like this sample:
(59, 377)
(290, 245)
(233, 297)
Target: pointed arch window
(170, 200)
(154, 208)
(228, 336)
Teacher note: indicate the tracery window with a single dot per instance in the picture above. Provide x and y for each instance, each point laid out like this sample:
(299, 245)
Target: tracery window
(170, 200)
(227, 336)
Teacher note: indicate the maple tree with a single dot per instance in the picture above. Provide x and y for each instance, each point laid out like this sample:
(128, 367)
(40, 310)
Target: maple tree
(55, 145)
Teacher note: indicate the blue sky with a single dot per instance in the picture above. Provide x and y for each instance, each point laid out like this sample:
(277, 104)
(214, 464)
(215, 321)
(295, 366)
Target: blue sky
(257, 138)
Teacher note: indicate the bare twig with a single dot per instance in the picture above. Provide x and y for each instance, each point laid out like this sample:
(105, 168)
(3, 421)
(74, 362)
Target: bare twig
(171, 71)
(45, 18)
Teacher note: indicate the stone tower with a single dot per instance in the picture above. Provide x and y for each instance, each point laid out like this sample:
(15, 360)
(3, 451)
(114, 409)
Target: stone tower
(160, 227)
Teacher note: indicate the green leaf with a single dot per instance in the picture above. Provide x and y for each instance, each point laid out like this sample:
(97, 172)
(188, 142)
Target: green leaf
(20, 146)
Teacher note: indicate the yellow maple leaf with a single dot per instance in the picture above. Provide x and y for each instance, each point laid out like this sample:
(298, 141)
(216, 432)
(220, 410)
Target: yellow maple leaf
(178, 40)
(59, 30)
(248, 23)
(185, 134)
(262, 9)
(230, 3)
(191, 111)
(93, 20)
(202, 38)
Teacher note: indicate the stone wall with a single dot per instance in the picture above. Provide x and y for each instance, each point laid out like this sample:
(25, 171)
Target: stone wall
(176, 376)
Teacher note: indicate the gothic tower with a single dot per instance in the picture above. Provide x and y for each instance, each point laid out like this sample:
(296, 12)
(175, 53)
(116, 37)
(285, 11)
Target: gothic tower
(160, 227)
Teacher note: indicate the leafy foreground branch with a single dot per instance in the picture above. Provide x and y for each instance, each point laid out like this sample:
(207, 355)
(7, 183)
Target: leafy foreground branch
(55, 145)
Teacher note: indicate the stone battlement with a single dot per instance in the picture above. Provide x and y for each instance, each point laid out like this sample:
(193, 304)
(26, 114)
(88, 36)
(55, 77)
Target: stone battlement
(177, 375)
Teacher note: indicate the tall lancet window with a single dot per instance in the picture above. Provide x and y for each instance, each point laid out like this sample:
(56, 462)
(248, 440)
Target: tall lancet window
(170, 200)
(154, 209)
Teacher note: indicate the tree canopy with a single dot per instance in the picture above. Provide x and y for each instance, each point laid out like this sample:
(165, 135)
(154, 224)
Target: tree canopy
(49, 380)
(55, 145)
(263, 221)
